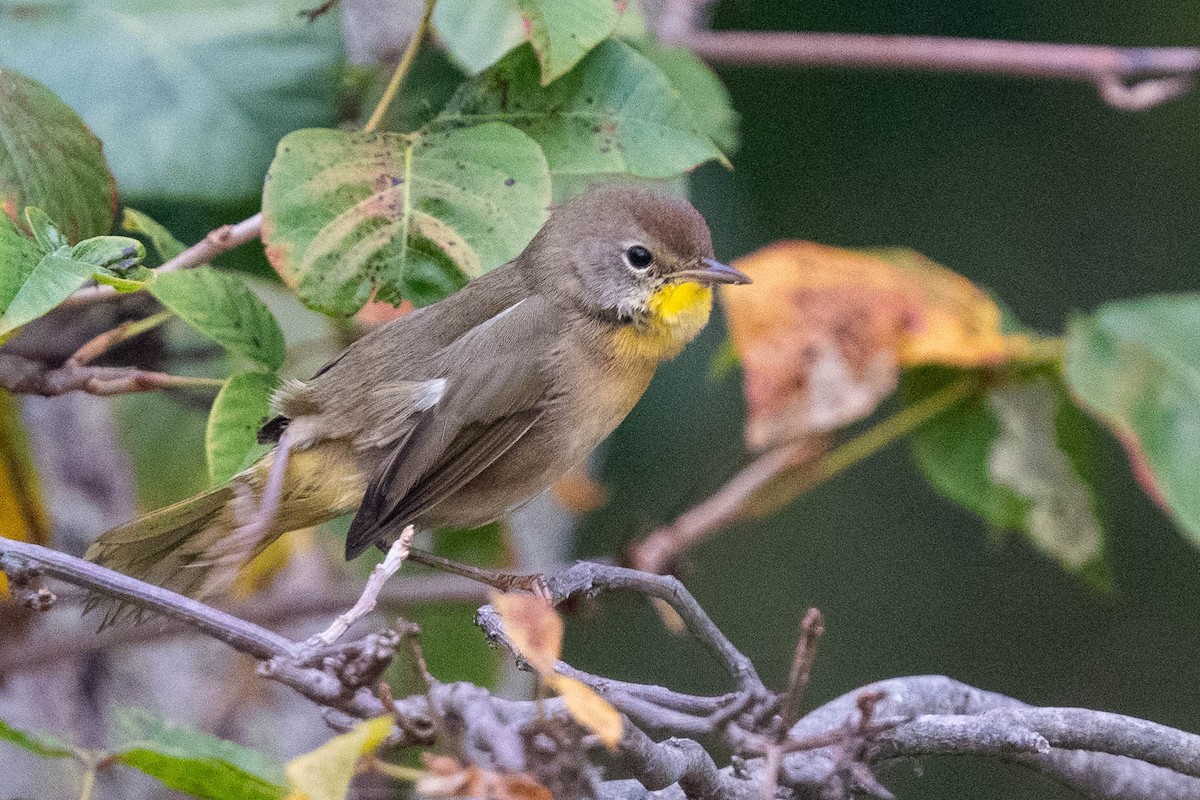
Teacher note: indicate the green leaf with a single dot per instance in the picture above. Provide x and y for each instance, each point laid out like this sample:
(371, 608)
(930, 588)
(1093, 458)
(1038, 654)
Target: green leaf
(55, 277)
(116, 253)
(220, 306)
(701, 89)
(411, 215)
(616, 112)
(19, 255)
(563, 33)
(1135, 364)
(48, 157)
(48, 237)
(239, 410)
(166, 245)
(209, 86)
(39, 744)
(195, 763)
(478, 32)
(953, 449)
(1019, 456)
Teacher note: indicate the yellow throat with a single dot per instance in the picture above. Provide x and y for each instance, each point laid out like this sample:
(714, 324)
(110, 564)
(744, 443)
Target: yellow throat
(678, 311)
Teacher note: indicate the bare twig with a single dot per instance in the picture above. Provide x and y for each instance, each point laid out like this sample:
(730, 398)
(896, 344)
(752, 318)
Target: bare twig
(811, 630)
(723, 508)
(221, 240)
(266, 609)
(22, 375)
(366, 602)
(784, 473)
(102, 343)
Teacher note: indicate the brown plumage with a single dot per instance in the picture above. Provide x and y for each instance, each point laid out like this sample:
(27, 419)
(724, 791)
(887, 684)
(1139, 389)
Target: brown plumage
(458, 412)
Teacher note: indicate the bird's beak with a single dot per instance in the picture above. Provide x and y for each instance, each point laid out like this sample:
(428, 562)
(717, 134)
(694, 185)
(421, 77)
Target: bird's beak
(710, 272)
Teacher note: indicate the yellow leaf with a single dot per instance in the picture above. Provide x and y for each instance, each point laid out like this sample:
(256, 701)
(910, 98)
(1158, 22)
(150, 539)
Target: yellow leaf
(325, 773)
(22, 514)
(823, 331)
(589, 709)
(534, 628)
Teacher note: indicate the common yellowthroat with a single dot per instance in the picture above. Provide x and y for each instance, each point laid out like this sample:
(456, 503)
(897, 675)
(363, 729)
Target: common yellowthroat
(457, 413)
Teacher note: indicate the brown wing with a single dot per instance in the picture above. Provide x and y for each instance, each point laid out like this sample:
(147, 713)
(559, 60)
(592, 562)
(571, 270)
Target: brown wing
(496, 380)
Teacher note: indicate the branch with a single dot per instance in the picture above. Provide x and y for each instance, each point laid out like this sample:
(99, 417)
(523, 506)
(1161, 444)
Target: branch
(268, 609)
(830, 754)
(221, 240)
(1127, 78)
(22, 375)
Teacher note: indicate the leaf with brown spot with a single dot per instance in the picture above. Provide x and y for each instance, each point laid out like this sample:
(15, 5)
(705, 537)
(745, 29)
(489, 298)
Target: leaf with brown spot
(823, 331)
(351, 216)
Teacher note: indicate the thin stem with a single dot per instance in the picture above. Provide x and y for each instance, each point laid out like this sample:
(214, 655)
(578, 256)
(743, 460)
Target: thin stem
(402, 68)
(88, 785)
(221, 240)
(101, 344)
(900, 424)
(21, 375)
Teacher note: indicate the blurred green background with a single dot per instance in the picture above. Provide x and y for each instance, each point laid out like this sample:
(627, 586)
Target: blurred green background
(1053, 201)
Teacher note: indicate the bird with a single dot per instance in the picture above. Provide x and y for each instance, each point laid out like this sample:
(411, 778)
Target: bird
(461, 411)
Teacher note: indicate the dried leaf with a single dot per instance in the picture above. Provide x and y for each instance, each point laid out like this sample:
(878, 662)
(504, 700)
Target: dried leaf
(325, 773)
(589, 709)
(534, 627)
(823, 331)
(959, 325)
(448, 777)
(536, 631)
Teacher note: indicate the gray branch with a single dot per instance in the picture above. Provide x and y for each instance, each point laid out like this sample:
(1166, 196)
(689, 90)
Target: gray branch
(1128, 78)
(832, 753)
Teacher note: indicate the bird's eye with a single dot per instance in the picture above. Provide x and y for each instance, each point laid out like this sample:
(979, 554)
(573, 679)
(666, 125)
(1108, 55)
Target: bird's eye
(639, 257)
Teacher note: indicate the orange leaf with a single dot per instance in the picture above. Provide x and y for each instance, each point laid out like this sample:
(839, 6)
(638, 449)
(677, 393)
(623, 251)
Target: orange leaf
(534, 627)
(823, 331)
(959, 324)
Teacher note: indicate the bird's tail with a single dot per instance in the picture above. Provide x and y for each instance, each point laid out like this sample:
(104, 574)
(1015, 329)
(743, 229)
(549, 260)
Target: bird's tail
(198, 546)
(192, 547)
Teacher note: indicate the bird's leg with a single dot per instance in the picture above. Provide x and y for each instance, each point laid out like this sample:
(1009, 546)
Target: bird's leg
(259, 521)
(366, 602)
(504, 581)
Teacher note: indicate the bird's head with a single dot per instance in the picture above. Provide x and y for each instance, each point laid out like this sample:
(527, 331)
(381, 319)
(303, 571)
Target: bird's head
(634, 257)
